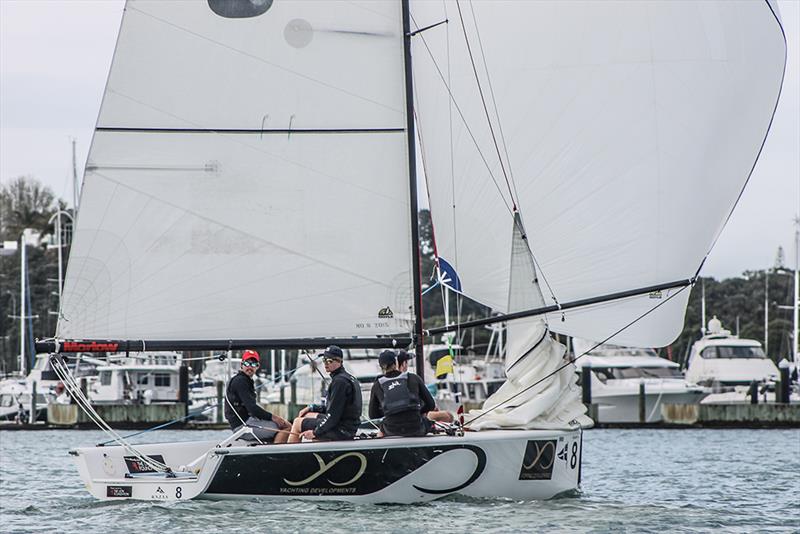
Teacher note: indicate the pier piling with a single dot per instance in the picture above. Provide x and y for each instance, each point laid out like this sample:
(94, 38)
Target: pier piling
(220, 407)
(642, 404)
(753, 392)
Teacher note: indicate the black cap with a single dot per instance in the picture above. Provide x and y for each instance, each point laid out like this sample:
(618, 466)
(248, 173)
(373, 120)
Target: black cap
(404, 356)
(333, 352)
(387, 358)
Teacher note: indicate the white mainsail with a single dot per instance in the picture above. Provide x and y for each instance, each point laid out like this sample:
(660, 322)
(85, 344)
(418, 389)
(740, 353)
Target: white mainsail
(248, 178)
(627, 130)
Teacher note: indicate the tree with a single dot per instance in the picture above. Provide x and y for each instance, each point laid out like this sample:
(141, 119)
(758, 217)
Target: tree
(26, 203)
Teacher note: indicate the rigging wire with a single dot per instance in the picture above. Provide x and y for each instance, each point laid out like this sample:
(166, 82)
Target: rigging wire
(464, 121)
(213, 405)
(485, 109)
(564, 366)
(69, 383)
(494, 101)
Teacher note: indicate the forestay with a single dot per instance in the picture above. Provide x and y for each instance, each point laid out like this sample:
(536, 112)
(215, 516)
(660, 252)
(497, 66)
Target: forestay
(627, 131)
(248, 177)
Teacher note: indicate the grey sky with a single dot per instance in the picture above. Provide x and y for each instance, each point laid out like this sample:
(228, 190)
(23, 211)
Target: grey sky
(55, 55)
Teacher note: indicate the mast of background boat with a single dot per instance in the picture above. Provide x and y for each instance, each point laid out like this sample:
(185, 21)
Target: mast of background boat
(75, 190)
(796, 312)
(22, 304)
(412, 178)
(703, 308)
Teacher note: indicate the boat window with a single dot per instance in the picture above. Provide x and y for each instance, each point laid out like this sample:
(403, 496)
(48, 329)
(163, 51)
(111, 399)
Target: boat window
(603, 373)
(709, 353)
(471, 391)
(162, 380)
(646, 372)
(740, 352)
(493, 386)
(142, 379)
(105, 378)
(6, 401)
(239, 9)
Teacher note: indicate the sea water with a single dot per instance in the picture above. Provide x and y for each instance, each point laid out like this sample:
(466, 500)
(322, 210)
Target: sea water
(648, 480)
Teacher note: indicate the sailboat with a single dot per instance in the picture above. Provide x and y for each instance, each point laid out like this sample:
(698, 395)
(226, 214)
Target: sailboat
(252, 183)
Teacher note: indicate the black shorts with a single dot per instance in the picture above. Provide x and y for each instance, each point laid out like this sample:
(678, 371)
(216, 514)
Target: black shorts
(410, 431)
(310, 423)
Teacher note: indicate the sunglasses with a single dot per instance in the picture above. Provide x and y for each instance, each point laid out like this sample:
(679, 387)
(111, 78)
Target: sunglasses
(330, 360)
(250, 363)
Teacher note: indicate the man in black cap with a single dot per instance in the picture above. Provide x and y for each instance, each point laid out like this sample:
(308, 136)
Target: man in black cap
(400, 397)
(339, 418)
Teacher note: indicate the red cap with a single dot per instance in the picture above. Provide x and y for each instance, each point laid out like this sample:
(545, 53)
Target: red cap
(250, 355)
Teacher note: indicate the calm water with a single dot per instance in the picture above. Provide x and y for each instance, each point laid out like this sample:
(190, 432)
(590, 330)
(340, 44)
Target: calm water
(633, 481)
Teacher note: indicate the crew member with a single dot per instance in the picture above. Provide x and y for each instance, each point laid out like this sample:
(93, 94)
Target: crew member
(241, 407)
(339, 418)
(401, 398)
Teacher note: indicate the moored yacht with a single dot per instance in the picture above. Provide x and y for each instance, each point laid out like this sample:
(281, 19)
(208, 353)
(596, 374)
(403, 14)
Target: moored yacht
(722, 359)
(618, 372)
(730, 364)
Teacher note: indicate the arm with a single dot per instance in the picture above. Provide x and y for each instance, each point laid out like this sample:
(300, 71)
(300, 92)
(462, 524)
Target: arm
(337, 397)
(248, 398)
(316, 408)
(375, 401)
(425, 397)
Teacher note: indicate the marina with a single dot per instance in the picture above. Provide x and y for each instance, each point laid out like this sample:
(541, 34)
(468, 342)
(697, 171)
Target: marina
(353, 262)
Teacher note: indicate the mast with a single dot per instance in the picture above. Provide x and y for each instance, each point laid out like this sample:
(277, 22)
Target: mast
(412, 178)
(796, 303)
(23, 311)
(75, 192)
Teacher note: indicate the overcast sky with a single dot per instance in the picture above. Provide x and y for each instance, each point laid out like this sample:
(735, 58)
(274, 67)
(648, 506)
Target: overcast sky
(55, 56)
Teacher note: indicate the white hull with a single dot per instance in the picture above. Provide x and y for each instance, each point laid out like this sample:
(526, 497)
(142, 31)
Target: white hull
(624, 407)
(515, 464)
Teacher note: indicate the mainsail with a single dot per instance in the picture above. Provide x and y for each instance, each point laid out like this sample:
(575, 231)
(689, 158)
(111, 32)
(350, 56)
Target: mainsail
(622, 133)
(248, 178)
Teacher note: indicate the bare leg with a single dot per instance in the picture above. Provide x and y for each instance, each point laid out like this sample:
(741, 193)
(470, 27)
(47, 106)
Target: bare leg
(281, 437)
(294, 437)
(440, 416)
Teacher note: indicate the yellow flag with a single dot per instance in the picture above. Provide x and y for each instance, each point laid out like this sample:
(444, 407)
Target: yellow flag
(444, 365)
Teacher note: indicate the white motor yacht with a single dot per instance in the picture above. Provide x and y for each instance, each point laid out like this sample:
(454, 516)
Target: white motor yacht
(722, 359)
(729, 365)
(617, 373)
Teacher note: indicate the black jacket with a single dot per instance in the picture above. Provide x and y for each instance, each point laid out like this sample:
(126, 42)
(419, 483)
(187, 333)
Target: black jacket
(342, 411)
(404, 422)
(241, 393)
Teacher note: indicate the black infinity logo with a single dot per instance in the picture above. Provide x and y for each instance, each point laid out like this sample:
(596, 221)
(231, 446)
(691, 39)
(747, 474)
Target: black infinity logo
(479, 454)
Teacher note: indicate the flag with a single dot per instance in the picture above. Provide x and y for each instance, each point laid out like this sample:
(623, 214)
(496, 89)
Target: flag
(444, 365)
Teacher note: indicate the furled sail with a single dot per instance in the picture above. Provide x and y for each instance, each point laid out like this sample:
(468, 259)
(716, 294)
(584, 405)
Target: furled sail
(248, 178)
(623, 134)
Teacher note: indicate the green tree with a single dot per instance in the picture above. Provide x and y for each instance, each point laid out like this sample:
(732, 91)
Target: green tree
(26, 203)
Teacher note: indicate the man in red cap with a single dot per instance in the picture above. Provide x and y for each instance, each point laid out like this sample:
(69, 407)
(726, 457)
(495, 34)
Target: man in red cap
(241, 407)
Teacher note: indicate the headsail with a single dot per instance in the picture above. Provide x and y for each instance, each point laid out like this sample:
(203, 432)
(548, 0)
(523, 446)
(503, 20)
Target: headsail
(627, 132)
(248, 178)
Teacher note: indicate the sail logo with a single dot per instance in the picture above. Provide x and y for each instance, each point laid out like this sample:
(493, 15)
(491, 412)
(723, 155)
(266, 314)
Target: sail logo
(537, 463)
(94, 346)
(324, 467)
(385, 313)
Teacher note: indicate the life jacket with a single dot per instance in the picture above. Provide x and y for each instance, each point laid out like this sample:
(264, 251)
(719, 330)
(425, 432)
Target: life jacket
(397, 396)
